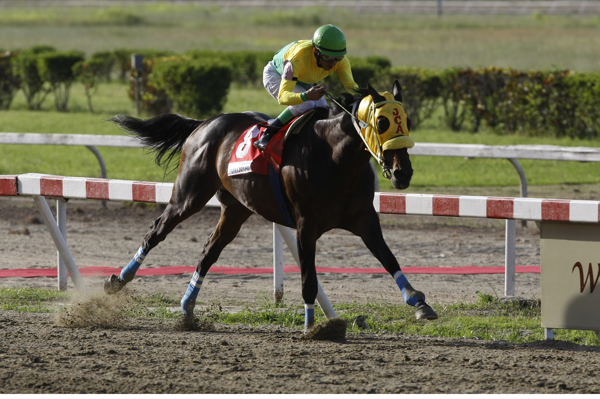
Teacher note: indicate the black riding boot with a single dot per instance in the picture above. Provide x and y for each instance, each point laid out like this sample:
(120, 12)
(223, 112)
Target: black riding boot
(267, 135)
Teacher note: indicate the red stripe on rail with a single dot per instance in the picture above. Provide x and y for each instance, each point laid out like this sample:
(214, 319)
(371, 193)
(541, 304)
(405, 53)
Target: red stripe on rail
(556, 210)
(392, 203)
(447, 205)
(8, 185)
(500, 208)
(144, 192)
(96, 189)
(51, 186)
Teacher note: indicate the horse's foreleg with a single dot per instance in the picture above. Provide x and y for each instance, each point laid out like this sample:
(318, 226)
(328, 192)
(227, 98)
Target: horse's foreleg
(367, 227)
(233, 215)
(306, 252)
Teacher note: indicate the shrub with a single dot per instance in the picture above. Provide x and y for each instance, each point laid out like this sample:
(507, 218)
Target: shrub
(25, 67)
(104, 62)
(9, 81)
(363, 72)
(39, 49)
(262, 59)
(197, 87)
(380, 61)
(122, 58)
(154, 101)
(244, 67)
(421, 89)
(539, 103)
(453, 87)
(57, 69)
(584, 95)
(88, 72)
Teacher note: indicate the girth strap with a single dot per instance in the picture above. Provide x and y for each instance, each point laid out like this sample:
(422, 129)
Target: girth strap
(276, 187)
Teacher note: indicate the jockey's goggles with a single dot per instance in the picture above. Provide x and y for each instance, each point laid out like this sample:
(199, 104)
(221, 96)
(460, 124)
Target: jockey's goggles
(330, 58)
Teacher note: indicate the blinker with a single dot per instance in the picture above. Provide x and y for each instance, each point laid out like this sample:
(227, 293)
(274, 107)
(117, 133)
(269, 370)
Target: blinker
(396, 135)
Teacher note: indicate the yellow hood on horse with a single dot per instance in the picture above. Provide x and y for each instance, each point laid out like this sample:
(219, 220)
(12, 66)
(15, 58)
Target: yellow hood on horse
(397, 134)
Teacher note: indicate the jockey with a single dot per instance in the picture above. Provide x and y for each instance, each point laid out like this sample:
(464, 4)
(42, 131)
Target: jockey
(290, 76)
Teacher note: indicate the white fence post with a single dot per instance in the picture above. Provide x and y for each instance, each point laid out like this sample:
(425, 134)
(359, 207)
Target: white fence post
(60, 243)
(277, 264)
(61, 219)
(322, 299)
(510, 257)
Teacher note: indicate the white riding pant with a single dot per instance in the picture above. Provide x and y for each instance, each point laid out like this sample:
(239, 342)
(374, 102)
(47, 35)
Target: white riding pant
(272, 82)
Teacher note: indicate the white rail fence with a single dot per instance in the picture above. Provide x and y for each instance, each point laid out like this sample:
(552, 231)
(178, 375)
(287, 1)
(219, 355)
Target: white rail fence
(454, 7)
(40, 186)
(511, 153)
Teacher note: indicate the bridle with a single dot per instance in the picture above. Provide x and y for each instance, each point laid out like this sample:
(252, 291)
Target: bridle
(360, 124)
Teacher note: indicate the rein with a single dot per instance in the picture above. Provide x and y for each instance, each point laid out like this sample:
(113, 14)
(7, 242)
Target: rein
(362, 124)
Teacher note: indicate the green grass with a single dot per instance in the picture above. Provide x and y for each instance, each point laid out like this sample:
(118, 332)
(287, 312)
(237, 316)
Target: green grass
(486, 319)
(137, 164)
(30, 299)
(521, 42)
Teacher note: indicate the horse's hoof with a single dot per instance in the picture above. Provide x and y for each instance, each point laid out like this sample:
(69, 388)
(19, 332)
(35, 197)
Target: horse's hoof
(113, 284)
(424, 311)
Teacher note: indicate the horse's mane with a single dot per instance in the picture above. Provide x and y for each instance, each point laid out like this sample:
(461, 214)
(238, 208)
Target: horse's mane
(347, 99)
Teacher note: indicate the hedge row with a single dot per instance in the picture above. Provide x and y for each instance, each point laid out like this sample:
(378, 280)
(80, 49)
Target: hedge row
(544, 103)
(38, 71)
(551, 103)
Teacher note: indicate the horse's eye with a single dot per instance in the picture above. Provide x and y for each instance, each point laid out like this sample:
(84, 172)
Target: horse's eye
(383, 124)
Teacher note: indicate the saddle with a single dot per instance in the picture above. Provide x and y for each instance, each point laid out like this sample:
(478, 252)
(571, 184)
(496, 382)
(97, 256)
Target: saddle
(245, 158)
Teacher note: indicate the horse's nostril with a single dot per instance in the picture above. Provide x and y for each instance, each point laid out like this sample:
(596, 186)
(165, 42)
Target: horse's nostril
(402, 174)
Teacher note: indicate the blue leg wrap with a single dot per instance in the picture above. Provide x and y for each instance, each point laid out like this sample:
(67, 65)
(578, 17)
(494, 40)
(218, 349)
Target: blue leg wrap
(188, 302)
(128, 272)
(402, 282)
(309, 316)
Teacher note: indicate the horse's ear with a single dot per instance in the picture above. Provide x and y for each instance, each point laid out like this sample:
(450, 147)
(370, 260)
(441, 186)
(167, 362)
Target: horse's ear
(376, 96)
(397, 91)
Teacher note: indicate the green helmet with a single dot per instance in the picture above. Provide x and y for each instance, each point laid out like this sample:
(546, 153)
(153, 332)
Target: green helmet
(330, 40)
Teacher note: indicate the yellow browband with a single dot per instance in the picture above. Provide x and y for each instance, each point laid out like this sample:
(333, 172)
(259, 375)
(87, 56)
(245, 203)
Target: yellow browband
(397, 134)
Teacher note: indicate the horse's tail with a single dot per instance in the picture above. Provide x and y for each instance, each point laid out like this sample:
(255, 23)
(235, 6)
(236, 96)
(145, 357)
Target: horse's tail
(163, 134)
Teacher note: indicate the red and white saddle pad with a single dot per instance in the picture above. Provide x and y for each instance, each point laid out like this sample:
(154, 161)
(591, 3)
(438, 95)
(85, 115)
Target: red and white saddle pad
(245, 158)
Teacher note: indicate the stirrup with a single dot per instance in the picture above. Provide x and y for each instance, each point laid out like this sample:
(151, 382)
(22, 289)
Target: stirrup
(267, 135)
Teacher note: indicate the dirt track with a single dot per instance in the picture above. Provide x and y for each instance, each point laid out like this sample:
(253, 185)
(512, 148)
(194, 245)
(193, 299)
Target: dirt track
(37, 355)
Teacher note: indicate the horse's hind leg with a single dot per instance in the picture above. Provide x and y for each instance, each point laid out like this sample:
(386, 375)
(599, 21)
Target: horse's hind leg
(184, 203)
(233, 215)
(367, 227)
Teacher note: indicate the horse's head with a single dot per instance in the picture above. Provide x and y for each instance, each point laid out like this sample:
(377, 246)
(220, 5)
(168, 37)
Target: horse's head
(386, 133)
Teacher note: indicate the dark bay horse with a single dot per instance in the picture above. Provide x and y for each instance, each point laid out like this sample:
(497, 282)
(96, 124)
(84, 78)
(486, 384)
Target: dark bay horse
(325, 177)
